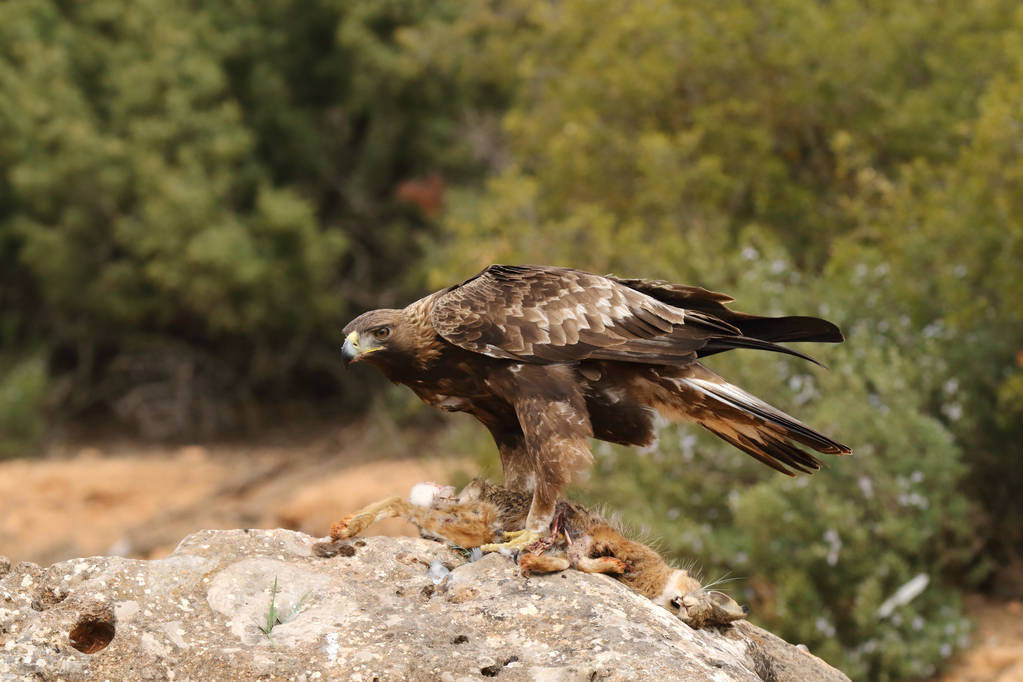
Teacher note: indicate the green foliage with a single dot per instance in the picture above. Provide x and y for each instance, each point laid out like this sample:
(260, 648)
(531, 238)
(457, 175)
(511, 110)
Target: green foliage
(640, 134)
(23, 391)
(951, 238)
(834, 548)
(188, 188)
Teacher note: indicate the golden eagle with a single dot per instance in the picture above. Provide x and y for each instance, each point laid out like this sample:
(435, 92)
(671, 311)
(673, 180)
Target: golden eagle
(549, 357)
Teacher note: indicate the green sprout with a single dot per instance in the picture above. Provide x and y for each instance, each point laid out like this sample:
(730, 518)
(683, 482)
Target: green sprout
(274, 617)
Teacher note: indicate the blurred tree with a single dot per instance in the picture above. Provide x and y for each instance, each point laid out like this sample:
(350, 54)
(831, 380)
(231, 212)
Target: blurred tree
(950, 238)
(195, 195)
(23, 389)
(636, 130)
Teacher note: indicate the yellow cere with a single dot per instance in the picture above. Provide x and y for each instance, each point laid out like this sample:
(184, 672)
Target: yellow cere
(353, 338)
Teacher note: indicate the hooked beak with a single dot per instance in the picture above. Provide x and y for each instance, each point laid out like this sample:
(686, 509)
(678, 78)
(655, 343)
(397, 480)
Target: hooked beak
(350, 350)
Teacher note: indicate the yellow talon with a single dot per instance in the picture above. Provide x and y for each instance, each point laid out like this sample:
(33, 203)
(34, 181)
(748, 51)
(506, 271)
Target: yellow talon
(514, 540)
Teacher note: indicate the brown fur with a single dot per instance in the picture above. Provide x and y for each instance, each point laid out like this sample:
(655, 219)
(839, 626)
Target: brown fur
(482, 510)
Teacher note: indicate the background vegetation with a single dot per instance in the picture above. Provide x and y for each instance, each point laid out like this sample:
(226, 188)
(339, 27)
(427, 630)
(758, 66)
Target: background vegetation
(195, 197)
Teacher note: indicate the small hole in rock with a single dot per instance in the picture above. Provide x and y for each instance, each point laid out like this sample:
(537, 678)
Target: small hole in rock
(461, 639)
(360, 543)
(493, 670)
(346, 550)
(325, 550)
(91, 635)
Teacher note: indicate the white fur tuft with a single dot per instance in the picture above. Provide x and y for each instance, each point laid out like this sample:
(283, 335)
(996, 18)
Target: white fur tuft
(423, 494)
(672, 589)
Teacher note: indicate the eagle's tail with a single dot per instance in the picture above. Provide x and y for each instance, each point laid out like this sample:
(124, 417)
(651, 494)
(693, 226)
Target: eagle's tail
(748, 423)
(765, 333)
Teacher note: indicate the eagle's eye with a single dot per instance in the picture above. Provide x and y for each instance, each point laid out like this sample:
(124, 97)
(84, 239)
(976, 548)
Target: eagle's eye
(381, 333)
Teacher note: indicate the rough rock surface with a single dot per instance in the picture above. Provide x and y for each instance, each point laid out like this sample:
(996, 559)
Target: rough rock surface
(371, 612)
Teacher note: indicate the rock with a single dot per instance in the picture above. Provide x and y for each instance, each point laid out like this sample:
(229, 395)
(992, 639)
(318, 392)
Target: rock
(373, 613)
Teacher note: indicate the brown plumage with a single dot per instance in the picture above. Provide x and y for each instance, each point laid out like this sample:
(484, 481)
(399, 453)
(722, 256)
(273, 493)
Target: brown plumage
(549, 357)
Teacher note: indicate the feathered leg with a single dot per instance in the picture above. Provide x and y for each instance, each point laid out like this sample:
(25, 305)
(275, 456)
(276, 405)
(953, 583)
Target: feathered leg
(556, 429)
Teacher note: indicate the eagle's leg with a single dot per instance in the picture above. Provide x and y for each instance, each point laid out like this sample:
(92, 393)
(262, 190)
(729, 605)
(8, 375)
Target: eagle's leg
(547, 488)
(551, 444)
(561, 459)
(515, 541)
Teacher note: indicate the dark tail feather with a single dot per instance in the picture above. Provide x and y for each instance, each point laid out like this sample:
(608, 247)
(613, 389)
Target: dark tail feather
(712, 304)
(760, 430)
(773, 452)
(723, 343)
(783, 329)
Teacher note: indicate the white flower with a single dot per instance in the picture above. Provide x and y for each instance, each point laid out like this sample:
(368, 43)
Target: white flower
(905, 594)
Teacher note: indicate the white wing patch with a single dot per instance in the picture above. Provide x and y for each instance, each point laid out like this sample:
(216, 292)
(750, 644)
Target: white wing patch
(727, 393)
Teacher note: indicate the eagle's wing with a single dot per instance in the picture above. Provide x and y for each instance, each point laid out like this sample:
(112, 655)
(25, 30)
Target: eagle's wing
(545, 314)
(774, 329)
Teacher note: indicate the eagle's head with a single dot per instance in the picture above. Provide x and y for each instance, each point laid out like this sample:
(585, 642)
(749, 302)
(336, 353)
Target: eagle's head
(376, 337)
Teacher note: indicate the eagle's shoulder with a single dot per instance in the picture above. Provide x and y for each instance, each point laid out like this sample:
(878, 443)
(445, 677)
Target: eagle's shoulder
(545, 314)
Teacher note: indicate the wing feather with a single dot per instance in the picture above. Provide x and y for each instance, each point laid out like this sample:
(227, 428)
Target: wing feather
(546, 314)
(698, 300)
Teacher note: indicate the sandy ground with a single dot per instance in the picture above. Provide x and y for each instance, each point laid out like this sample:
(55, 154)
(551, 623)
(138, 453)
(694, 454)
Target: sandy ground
(141, 501)
(997, 651)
